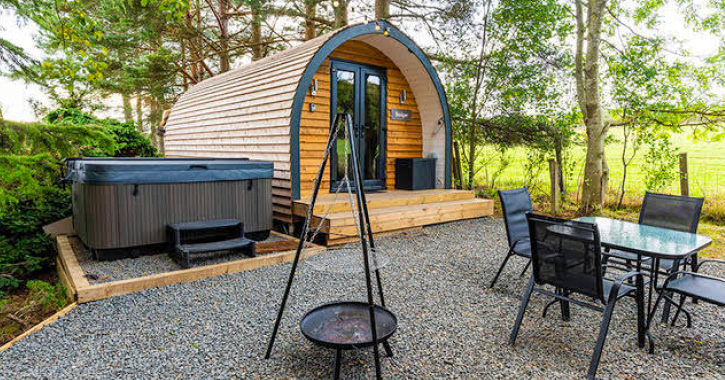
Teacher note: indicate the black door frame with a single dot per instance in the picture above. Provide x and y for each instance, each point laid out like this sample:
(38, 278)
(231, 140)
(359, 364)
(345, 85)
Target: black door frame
(360, 70)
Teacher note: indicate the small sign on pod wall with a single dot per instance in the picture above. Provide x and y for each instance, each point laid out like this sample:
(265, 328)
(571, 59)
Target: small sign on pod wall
(398, 114)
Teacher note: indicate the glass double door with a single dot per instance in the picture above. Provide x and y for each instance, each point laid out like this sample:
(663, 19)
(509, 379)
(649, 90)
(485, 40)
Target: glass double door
(359, 90)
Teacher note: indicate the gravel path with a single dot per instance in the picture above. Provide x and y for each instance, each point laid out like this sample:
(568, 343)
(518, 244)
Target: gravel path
(450, 326)
(106, 271)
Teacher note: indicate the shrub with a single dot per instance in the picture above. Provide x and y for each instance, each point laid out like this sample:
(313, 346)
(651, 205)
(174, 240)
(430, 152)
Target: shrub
(41, 300)
(31, 192)
(46, 297)
(129, 142)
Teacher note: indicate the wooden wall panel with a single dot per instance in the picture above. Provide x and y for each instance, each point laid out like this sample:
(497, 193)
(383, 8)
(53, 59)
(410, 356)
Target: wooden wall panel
(245, 112)
(404, 138)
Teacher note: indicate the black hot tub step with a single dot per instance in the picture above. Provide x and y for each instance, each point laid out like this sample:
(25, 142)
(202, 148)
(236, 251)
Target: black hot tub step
(215, 246)
(205, 224)
(183, 252)
(207, 236)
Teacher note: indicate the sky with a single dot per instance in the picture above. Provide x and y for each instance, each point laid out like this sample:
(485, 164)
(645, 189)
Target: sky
(15, 95)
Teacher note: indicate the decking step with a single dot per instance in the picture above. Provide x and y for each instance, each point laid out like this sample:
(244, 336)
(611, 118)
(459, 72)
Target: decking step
(382, 200)
(341, 225)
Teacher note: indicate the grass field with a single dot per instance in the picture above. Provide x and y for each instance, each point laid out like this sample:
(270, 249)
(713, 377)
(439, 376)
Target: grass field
(706, 165)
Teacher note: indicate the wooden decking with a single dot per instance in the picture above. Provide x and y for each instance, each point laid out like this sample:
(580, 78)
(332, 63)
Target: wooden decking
(392, 211)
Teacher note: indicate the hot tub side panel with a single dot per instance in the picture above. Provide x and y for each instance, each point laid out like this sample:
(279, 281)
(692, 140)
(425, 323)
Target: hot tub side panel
(127, 215)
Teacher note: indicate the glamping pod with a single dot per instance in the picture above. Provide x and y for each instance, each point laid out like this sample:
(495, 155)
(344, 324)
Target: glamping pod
(279, 109)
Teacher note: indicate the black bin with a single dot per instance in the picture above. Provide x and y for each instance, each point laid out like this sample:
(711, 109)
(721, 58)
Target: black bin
(415, 173)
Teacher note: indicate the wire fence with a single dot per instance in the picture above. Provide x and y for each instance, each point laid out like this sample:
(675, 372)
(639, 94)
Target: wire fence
(703, 181)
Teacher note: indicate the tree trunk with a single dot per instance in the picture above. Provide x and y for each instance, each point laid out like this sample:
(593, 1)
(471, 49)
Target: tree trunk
(257, 53)
(596, 171)
(184, 79)
(382, 9)
(127, 109)
(223, 36)
(139, 112)
(472, 152)
(154, 120)
(310, 13)
(341, 14)
(624, 165)
(198, 43)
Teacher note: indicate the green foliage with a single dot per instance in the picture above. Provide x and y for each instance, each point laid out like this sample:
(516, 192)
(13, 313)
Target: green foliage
(31, 154)
(660, 162)
(504, 86)
(32, 195)
(47, 297)
(128, 141)
(85, 41)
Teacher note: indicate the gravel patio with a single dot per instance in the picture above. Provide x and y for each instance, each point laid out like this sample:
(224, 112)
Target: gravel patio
(450, 326)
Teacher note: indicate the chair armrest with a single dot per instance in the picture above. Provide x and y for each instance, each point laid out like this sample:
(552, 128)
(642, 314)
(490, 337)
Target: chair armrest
(716, 261)
(694, 274)
(624, 277)
(618, 266)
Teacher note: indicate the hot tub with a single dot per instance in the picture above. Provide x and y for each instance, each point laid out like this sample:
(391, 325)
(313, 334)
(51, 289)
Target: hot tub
(122, 206)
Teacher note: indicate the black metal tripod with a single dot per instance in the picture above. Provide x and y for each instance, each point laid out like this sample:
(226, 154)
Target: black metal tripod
(366, 235)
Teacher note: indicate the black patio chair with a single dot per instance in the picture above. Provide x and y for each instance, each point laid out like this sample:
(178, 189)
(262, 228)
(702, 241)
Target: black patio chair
(515, 204)
(691, 284)
(567, 255)
(667, 211)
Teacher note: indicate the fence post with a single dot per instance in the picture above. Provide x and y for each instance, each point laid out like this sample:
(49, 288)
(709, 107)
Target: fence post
(554, 180)
(684, 182)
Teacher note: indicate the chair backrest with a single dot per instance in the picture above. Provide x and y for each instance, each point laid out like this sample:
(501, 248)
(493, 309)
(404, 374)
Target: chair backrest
(671, 211)
(566, 254)
(515, 204)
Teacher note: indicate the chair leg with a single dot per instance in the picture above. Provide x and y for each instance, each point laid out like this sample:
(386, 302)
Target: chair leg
(654, 310)
(693, 267)
(500, 269)
(546, 308)
(565, 313)
(603, 330)
(528, 264)
(522, 310)
(679, 309)
(666, 307)
(388, 350)
(338, 364)
(641, 328)
(687, 313)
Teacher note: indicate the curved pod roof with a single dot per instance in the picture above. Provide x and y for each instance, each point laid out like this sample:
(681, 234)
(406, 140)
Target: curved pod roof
(254, 111)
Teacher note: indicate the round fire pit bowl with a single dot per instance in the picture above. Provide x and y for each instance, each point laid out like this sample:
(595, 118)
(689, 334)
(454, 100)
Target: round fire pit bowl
(346, 325)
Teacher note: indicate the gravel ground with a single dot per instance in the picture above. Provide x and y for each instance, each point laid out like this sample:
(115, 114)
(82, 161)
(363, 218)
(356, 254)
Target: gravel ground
(450, 326)
(106, 271)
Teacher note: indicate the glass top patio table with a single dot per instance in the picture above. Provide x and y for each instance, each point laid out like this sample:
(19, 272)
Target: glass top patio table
(656, 242)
